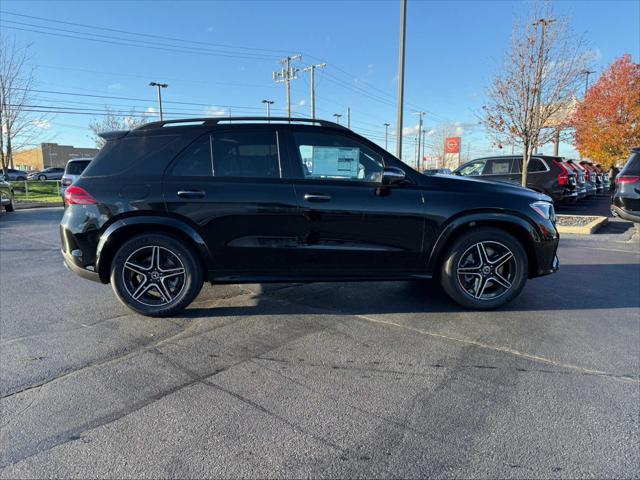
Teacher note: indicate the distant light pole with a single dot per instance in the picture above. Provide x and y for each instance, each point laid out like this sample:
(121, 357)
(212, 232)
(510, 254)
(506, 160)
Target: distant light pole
(337, 115)
(386, 136)
(419, 134)
(159, 86)
(586, 81)
(268, 103)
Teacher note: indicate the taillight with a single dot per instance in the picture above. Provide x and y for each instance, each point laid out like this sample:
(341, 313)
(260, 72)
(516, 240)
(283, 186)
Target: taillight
(628, 179)
(78, 196)
(563, 177)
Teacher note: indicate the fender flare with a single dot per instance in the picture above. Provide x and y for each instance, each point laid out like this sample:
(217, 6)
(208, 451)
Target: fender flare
(465, 221)
(153, 221)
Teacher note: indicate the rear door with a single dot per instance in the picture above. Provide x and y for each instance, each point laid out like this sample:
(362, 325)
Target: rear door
(354, 226)
(229, 184)
(503, 169)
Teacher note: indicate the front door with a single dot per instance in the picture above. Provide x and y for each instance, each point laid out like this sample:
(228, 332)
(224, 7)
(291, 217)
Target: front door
(354, 226)
(230, 186)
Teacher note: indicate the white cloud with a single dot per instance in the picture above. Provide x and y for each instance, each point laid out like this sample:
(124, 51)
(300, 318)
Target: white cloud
(215, 111)
(43, 124)
(152, 110)
(302, 102)
(115, 86)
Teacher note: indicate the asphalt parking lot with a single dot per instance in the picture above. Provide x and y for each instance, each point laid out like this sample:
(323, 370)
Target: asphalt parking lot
(332, 380)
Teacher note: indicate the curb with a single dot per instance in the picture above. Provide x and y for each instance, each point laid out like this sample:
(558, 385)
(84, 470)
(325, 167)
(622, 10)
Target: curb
(587, 229)
(26, 205)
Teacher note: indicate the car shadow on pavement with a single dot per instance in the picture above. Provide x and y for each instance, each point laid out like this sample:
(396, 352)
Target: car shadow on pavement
(574, 287)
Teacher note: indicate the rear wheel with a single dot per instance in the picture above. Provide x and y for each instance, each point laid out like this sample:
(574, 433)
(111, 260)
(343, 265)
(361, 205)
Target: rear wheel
(42, 177)
(484, 269)
(156, 275)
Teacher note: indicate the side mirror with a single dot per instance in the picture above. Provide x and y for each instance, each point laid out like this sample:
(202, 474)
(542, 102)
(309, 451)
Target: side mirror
(392, 176)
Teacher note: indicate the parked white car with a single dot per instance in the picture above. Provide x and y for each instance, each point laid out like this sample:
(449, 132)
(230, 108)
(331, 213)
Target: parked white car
(72, 172)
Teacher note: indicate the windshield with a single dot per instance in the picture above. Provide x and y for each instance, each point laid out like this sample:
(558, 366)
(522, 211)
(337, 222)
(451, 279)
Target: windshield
(77, 167)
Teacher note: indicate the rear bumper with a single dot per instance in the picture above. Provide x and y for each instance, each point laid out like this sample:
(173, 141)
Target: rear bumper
(625, 214)
(75, 266)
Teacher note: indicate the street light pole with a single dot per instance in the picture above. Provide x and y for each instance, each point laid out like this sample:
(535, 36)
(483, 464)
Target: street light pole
(386, 136)
(586, 81)
(337, 115)
(268, 103)
(419, 133)
(403, 23)
(159, 86)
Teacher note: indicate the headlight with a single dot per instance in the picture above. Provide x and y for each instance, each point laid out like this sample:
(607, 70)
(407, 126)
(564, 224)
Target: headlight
(544, 209)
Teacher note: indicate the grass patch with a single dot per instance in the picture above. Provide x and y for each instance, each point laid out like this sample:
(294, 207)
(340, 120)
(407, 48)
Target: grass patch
(37, 191)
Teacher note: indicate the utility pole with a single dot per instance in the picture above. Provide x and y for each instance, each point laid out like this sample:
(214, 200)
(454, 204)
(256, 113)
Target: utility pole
(403, 30)
(586, 81)
(285, 75)
(159, 86)
(424, 150)
(419, 129)
(337, 115)
(386, 136)
(543, 22)
(268, 103)
(312, 69)
(349, 117)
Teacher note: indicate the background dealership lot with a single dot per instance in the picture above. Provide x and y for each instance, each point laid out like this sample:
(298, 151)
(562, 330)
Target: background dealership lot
(347, 380)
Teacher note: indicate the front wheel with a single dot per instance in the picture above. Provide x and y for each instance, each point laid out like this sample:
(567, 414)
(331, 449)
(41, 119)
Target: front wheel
(484, 269)
(11, 206)
(42, 177)
(156, 275)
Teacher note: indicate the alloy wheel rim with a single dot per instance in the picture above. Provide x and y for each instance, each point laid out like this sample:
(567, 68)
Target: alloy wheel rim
(153, 275)
(487, 270)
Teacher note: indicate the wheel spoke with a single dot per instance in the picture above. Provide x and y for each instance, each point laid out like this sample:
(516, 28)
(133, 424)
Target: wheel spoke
(499, 279)
(142, 288)
(482, 253)
(470, 270)
(172, 272)
(163, 291)
(502, 260)
(479, 291)
(155, 257)
(140, 270)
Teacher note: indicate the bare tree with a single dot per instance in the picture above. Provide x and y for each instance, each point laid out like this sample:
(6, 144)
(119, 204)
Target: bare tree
(540, 77)
(19, 123)
(113, 121)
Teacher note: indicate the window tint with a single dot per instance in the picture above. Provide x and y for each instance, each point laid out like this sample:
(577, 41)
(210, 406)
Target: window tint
(536, 165)
(501, 166)
(195, 161)
(473, 168)
(246, 153)
(337, 157)
(76, 168)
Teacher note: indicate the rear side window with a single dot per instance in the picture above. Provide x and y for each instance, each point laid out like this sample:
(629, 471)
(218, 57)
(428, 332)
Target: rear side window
(76, 168)
(246, 153)
(120, 154)
(502, 166)
(536, 165)
(195, 161)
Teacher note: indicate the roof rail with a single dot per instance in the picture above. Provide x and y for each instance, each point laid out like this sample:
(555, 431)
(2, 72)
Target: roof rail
(212, 121)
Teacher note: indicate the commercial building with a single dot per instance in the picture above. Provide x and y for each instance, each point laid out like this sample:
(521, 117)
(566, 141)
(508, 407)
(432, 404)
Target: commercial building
(49, 155)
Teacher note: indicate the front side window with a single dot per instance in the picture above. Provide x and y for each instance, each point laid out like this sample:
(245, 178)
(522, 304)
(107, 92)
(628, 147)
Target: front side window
(246, 153)
(471, 169)
(337, 157)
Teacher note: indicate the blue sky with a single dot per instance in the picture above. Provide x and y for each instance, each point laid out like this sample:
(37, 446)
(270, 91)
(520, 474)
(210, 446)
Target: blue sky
(453, 49)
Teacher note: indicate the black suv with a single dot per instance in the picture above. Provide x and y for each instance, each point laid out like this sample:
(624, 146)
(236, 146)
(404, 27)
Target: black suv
(625, 202)
(171, 204)
(545, 174)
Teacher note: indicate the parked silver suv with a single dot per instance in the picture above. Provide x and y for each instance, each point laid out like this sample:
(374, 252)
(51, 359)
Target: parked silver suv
(72, 172)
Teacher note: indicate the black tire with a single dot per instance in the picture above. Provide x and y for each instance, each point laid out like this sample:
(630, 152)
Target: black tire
(11, 206)
(144, 278)
(464, 272)
(42, 177)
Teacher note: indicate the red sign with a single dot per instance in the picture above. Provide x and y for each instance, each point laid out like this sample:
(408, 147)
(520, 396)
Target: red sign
(452, 145)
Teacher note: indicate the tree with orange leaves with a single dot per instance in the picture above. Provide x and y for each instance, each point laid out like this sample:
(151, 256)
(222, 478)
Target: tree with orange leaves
(607, 121)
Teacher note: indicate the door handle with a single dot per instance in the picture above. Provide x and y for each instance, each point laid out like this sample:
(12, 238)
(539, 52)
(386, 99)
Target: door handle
(316, 197)
(191, 194)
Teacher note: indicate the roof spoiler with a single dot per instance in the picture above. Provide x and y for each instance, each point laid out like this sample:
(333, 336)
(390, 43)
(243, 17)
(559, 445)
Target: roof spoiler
(115, 135)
